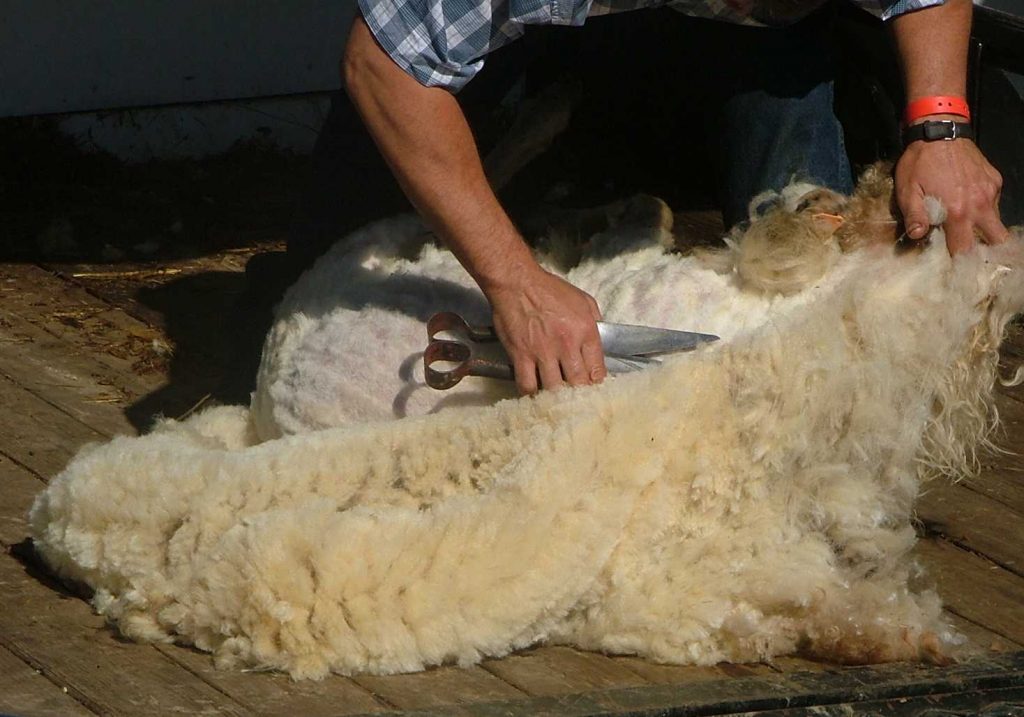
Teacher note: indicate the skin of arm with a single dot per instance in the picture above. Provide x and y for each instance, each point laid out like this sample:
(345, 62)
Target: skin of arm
(548, 326)
(932, 45)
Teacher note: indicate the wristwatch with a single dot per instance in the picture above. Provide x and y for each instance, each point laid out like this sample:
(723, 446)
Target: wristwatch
(934, 130)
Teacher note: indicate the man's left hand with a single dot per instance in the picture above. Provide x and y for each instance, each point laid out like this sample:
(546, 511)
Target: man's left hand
(956, 173)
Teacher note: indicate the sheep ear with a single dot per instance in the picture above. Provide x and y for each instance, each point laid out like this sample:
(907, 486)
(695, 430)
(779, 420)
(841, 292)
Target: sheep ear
(827, 222)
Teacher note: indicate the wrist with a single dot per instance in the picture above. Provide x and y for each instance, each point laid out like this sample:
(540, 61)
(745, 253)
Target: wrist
(936, 130)
(938, 117)
(510, 269)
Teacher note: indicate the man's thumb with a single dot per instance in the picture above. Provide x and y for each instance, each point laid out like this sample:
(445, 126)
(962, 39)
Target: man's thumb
(915, 218)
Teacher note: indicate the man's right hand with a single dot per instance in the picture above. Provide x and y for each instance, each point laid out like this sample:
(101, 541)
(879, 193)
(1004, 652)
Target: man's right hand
(546, 324)
(549, 329)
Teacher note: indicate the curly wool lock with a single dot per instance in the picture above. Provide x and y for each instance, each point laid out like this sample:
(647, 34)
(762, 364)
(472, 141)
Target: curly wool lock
(744, 501)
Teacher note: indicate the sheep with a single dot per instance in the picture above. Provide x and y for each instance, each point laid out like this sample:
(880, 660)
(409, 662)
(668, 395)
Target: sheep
(346, 344)
(747, 500)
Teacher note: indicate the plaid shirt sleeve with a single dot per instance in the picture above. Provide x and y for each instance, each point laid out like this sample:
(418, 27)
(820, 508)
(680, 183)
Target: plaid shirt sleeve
(888, 9)
(441, 43)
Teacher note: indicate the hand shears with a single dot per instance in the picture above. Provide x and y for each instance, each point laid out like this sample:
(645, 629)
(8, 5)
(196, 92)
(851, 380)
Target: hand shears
(476, 350)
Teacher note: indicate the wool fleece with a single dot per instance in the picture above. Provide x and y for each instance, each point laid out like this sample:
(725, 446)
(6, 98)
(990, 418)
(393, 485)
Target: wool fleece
(747, 500)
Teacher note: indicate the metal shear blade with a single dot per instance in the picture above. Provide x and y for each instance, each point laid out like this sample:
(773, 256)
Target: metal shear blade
(477, 351)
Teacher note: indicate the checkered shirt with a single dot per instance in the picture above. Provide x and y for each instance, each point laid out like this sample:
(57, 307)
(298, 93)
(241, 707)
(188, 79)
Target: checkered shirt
(442, 43)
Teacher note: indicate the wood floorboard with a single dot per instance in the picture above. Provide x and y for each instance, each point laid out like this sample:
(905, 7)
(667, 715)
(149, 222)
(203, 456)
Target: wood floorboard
(59, 373)
(660, 674)
(25, 692)
(440, 687)
(975, 522)
(68, 311)
(18, 488)
(44, 438)
(59, 635)
(134, 357)
(976, 588)
(36, 434)
(274, 693)
(548, 671)
(70, 363)
(981, 639)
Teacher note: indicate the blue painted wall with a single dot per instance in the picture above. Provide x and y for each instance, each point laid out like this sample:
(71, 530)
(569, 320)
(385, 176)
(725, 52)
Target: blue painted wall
(59, 56)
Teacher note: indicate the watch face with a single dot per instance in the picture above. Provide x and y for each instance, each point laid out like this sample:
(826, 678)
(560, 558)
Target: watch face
(942, 129)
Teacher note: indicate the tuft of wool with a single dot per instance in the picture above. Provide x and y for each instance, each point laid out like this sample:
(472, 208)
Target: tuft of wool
(747, 500)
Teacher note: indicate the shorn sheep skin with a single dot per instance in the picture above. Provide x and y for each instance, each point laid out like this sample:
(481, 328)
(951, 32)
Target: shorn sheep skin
(750, 499)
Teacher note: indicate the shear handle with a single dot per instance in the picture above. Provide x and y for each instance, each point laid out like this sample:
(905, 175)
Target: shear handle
(450, 321)
(465, 364)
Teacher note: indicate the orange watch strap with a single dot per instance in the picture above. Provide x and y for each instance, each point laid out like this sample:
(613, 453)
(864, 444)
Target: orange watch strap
(937, 105)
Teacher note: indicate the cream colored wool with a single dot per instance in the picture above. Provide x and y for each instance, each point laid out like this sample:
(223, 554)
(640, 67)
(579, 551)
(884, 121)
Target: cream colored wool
(346, 344)
(743, 501)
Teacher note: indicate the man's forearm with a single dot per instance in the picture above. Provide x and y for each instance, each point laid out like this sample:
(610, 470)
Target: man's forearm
(424, 137)
(932, 45)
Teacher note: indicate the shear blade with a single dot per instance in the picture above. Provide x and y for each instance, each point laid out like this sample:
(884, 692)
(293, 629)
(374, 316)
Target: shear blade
(630, 340)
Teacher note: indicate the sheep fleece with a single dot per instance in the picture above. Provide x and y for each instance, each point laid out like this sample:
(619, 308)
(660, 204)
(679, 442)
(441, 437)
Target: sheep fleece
(742, 501)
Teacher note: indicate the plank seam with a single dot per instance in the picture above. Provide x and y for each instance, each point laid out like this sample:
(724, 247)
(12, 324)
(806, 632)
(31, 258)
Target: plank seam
(379, 699)
(76, 694)
(162, 651)
(384, 701)
(60, 276)
(967, 548)
(1017, 647)
(99, 357)
(58, 407)
(990, 628)
(510, 683)
(167, 652)
(18, 463)
(993, 498)
(635, 672)
(48, 678)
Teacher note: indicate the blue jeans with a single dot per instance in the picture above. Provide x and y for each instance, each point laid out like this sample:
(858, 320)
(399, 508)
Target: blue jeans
(776, 117)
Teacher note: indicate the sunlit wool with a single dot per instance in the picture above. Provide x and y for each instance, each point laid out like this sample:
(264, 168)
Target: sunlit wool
(750, 499)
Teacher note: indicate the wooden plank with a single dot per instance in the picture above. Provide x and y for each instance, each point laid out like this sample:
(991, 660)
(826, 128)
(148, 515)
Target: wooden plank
(661, 674)
(18, 488)
(562, 670)
(44, 438)
(791, 664)
(62, 375)
(1002, 474)
(137, 358)
(440, 687)
(975, 588)
(1001, 480)
(274, 693)
(975, 522)
(830, 692)
(980, 638)
(68, 311)
(24, 691)
(37, 435)
(61, 637)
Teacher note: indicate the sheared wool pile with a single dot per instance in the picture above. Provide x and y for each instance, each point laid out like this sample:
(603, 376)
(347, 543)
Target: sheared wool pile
(749, 499)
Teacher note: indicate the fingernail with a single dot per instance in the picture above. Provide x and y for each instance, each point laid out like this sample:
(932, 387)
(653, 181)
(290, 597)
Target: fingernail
(915, 231)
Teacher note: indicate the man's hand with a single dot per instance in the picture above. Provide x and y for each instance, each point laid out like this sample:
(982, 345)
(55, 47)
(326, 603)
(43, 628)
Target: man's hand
(956, 173)
(548, 328)
(932, 45)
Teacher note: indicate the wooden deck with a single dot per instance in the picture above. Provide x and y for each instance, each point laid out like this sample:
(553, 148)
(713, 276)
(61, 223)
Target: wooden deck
(87, 352)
